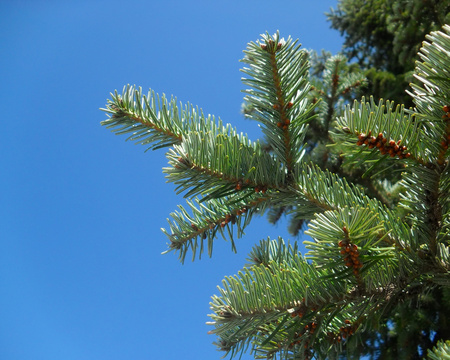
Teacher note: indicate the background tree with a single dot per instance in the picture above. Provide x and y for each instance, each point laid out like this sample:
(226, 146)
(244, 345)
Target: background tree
(367, 258)
(384, 37)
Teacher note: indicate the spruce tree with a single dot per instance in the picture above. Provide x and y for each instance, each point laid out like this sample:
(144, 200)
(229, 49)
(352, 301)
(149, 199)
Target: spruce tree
(375, 196)
(384, 36)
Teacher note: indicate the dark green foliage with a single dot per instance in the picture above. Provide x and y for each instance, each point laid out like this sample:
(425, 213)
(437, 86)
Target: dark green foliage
(385, 84)
(384, 36)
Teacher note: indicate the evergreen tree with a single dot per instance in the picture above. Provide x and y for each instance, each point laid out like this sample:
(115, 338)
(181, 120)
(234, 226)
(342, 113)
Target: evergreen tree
(384, 36)
(370, 255)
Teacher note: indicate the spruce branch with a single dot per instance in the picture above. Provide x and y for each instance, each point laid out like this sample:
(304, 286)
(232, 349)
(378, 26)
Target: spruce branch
(440, 351)
(431, 97)
(363, 241)
(205, 220)
(383, 133)
(367, 260)
(155, 121)
(283, 287)
(328, 191)
(286, 298)
(271, 250)
(278, 76)
(428, 182)
(347, 241)
(217, 165)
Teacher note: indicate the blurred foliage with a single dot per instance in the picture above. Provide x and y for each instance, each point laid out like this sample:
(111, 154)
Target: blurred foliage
(384, 36)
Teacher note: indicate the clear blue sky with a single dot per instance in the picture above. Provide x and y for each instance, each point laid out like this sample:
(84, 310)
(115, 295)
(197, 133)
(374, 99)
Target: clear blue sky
(81, 270)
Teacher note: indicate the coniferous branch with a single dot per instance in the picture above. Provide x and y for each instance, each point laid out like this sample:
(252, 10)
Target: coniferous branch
(328, 191)
(423, 185)
(431, 98)
(367, 261)
(383, 243)
(320, 307)
(217, 165)
(377, 130)
(317, 191)
(155, 121)
(327, 311)
(278, 72)
(351, 241)
(296, 225)
(270, 250)
(283, 288)
(440, 351)
(189, 230)
(275, 214)
(337, 81)
(428, 182)
(428, 220)
(372, 251)
(331, 90)
(333, 83)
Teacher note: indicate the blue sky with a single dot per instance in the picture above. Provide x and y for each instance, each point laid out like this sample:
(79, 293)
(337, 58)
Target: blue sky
(81, 270)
